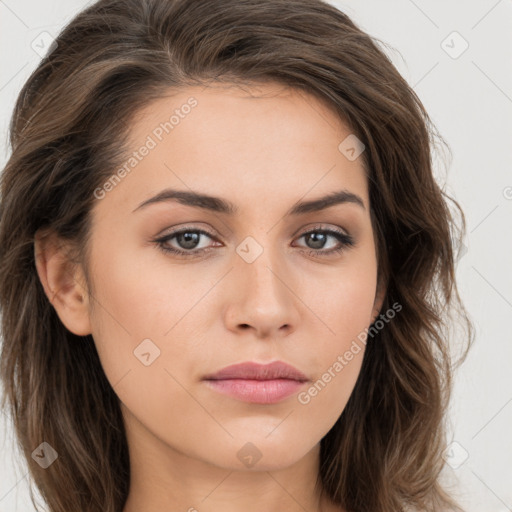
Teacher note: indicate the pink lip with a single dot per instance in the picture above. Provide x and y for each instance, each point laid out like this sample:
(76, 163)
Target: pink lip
(257, 383)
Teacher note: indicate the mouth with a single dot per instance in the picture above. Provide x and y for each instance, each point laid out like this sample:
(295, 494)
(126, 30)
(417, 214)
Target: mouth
(257, 383)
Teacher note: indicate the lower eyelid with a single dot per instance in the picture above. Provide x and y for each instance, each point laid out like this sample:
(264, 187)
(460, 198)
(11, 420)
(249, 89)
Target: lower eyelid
(344, 240)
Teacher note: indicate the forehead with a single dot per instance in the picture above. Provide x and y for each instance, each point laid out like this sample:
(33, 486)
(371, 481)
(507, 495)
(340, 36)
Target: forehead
(241, 142)
(236, 111)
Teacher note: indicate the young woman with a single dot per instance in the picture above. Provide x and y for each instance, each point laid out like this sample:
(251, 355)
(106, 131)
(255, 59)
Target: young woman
(226, 268)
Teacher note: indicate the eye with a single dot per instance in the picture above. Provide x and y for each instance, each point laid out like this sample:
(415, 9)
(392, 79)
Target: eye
(318, 238)
(188, 241)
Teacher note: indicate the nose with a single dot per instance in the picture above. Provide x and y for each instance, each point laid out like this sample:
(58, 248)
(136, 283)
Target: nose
(263, 298)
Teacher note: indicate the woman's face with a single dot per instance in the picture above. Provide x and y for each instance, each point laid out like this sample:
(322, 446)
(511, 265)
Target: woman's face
(249, 284)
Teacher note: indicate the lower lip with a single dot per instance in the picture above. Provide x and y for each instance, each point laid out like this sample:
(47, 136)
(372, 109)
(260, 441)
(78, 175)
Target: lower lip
(256, 391)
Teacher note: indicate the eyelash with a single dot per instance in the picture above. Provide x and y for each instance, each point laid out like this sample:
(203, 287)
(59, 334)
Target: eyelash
(345, 240)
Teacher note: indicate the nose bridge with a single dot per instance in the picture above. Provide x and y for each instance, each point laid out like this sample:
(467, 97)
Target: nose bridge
(263, 300)
(259, 268)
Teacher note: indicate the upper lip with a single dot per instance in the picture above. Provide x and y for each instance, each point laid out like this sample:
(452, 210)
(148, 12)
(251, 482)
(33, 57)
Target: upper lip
(256, 371)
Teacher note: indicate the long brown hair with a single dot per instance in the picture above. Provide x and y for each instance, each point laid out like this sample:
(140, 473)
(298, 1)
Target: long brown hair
(68, 134)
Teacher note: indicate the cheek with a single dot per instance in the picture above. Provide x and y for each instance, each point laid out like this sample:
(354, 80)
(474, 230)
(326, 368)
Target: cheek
(145, 322)
(344, 303)
(344, 309)
(140, 294)
(140, 350)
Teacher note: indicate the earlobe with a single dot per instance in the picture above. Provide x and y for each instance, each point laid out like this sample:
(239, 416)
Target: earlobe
(63, 282)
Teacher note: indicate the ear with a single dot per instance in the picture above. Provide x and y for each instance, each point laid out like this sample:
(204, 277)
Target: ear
(380, 295)
(63, 282)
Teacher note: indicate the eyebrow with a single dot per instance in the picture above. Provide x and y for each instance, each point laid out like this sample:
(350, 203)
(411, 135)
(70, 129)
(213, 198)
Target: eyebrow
(219, 205)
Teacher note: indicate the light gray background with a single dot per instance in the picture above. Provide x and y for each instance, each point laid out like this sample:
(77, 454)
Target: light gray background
(470, 100)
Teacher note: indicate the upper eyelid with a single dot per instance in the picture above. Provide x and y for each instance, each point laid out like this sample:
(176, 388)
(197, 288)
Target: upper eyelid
(329, 230)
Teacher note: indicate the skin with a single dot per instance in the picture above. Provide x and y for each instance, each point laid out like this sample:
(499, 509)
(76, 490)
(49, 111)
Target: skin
(263, 148)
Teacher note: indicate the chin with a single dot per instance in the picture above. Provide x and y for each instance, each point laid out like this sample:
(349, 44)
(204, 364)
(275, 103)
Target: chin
(259, 454)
